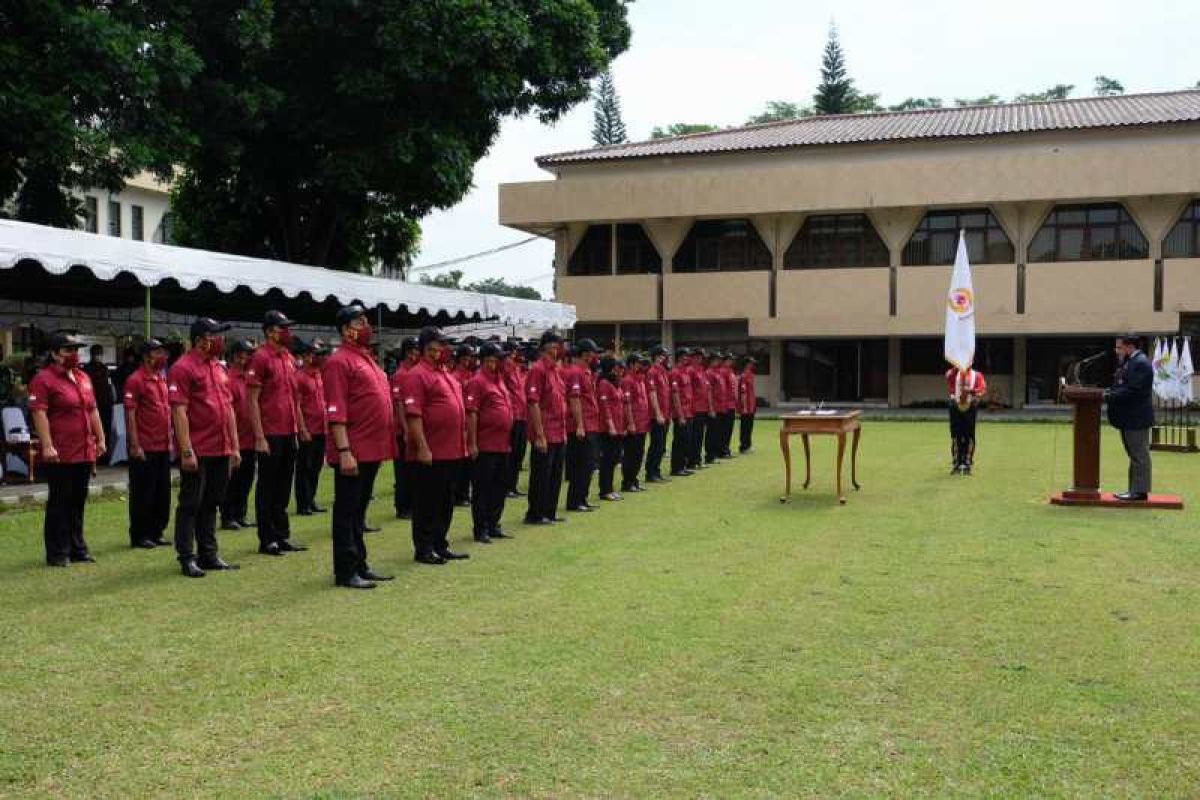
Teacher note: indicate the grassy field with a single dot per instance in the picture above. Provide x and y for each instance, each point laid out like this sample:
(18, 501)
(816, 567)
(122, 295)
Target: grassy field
(938, 636)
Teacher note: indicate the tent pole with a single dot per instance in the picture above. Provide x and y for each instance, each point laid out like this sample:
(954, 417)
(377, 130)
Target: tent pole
(147, 314)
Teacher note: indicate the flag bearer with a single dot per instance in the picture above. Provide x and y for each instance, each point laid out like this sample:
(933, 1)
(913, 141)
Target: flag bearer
(967, 388)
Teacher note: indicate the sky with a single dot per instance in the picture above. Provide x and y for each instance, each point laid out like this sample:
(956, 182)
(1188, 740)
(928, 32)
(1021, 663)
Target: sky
(719, 62)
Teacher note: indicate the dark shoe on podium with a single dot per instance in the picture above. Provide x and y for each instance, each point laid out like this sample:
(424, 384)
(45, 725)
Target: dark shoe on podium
(1131, 497)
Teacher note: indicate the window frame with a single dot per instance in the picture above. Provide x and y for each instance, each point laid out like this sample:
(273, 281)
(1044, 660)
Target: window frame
(800, 253)
(1125, 247)
(114, 219)
(756, 256)
(137, 223)
(1190, 218)
(91, 214)
(644, 265)
(910, 257)
(574, 270)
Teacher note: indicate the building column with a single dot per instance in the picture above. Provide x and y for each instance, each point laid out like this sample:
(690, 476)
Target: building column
(775, 378)
(668, 336)
(1020, 372)
(895, 371)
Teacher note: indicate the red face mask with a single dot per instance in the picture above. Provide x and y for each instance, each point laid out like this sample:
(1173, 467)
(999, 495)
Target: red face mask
(158, 361)
(285, 336)
(444, 356)
(216, 346)
(70, 359)
(362, 336)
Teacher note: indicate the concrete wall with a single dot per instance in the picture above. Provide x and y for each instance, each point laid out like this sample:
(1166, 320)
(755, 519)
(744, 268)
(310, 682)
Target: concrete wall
(921, 295)
(610, 298)
(1181, 284)
(716, 295)
(826, 301)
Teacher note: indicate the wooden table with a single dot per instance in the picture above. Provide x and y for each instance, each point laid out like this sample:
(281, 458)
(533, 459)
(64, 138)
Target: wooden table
(838, 424)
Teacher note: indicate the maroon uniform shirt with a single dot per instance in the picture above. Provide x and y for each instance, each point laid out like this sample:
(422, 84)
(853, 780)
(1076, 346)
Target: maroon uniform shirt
(582, 384)
(310, 389)
(681, 384)
(514, 379)
(545, 387)
(431, 393)
(239, 395)
(639, 401)
(698, 377)
(273, 369)
(146, 393)
(487, 395)
(201, 386)
(658, 381)
(357, 395)
(612, 406)
(717, 381)
(68, 405)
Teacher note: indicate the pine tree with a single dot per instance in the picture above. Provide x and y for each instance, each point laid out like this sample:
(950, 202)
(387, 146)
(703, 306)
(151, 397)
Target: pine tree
(1106, 86)
(836, 93)
(608, 127)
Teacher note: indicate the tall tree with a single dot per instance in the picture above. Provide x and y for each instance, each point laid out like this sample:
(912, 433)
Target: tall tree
(779, 110)
(89, 96)
(836, 93)
(326, 130)
(607, 128)
(682, 129)
(1060, 91)
(917, 102)
(1106, 86)
(985, 100)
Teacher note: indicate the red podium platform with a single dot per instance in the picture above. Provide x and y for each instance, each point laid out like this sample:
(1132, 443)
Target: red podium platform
(1085, 490)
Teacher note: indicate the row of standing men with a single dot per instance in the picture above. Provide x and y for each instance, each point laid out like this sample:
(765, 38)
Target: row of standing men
(455, 424)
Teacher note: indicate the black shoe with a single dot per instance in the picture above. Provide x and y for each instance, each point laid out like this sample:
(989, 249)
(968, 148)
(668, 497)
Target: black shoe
(611, 496)
(591, 507)
(1131, 497)
(637, 487)
(83, 558)
(370, 575)
(190, 569)
(318, 510)
(556, 519)
(355, 582)
(287, 546)
(745, 450)
(680, 473)
(483, 538)
(582, 508)
(429, 558)
(498, 533)
(403, 515)
(271, 549)
(372, 529)
(516, 493)
(245, 523)
(57, 562)
(303, 512)
(217, 565)
(230, 525)
(658, 479)
(145, 544)
(160, 542)
(537, 521)
(450, 555)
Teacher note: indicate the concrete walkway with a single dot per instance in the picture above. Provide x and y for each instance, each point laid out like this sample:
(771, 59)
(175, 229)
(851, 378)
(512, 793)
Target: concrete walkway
(108, 480)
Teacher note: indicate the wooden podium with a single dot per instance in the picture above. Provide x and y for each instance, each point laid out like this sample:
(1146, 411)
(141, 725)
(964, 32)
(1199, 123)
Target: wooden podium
(1085, 489)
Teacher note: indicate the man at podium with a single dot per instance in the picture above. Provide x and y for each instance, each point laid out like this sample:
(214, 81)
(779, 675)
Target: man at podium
(1131, 411)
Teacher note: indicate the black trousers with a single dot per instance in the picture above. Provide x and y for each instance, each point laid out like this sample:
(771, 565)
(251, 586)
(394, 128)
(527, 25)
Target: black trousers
(149, 497)
(681, 446)
(712, 438)
(200, 494)
(310, 457)
(610, 455)
(275, 472)
(631, 459)
(746, 433)
(520, 443)
(236, 503)
(581, 463)
(727, 418)
(351, 496)
(656, 450)
(432, 504)
(489, 485)
(402, 491)
(699, 426)
(62, 529)
(962, 433)
(545, 481)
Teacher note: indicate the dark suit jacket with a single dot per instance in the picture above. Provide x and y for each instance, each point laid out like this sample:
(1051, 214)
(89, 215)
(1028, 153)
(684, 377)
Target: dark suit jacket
(1129, 400)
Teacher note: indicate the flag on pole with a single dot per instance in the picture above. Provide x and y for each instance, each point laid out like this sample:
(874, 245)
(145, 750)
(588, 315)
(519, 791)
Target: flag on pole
(960, 311)
(1158, 361)
(1171, 368)
(1184, 372)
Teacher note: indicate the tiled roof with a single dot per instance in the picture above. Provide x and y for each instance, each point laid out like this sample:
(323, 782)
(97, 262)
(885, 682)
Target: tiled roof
(939, 123)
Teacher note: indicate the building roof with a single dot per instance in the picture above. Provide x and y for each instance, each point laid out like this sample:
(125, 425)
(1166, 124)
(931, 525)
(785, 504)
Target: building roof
(936, 123)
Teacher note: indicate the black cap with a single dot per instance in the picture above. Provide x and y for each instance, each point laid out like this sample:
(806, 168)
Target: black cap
(749, 360)
(464, 351)
(550, 337)
(632, 359)
(407, 345)
(347, 314)
(586, 346)
(241, 346)
(147, 346)
(682, 352)
(65, 340)
(657, 350)
(429, 334)
(207, 326)
(492, 350)
(301, 347)
(607, 364)
(277, 319)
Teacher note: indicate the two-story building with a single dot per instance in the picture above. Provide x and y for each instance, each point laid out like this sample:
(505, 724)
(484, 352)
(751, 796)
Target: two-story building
(823, 245)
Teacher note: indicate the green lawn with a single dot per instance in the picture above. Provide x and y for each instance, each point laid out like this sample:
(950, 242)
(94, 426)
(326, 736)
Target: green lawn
(938, 636)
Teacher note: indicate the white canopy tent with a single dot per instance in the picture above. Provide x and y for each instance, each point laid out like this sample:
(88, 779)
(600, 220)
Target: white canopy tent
(65, 267)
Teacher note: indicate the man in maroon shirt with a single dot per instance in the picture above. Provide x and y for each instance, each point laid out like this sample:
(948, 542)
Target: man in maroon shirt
(515, 374)
(681, 414)
(583, 436)
(463, 371)
(361, 436)
(148, 426)
(275, 415)
(489, 427)
(658, 384)
(436, 443)
(401, 491)
(206, 437)
(702, 412)
(713, 446)
(310, 457)
(747, 405)
(633, 386)
(547, 403)
(237, 493)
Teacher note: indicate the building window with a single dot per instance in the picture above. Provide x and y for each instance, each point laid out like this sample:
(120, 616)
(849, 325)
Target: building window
(836, 240)
(636, 254)
(114, 218)
(593, 255)
(1184, 239)
(835, 370)
(91, 215)
(1099, 232)
(165, 232)
(603, 335)
(935, 241)
(722, 245)
(137, 223)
